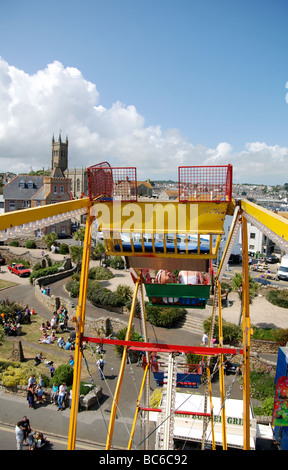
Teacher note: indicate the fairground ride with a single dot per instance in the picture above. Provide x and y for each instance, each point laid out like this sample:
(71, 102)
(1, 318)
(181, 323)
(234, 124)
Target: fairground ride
(182, 234)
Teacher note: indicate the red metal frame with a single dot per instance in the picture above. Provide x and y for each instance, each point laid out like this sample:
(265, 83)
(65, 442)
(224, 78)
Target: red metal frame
(112, 183)
(205, 183)
(160, 347)
(177, 412)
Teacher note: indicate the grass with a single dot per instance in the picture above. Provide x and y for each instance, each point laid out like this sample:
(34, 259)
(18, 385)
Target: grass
(51, 352)
(5, 284)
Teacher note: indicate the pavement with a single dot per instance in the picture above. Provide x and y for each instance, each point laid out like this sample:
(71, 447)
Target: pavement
(92, 425)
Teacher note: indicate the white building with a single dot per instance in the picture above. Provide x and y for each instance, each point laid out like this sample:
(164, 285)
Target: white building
(189, 428)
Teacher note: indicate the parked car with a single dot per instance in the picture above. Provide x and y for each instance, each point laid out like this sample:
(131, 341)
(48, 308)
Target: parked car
(19, 270)
(63, 235)
(235, 259)
(272, 259)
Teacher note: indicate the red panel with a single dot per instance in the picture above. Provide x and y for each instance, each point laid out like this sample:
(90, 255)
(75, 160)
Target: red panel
(112, 183)
(205, 183)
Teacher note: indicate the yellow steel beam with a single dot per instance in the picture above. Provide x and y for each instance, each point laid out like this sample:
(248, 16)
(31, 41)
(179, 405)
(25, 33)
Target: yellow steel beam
(79, 327)
(24, 216)
(246, 337)
(137, 407)
(121, 372)
(162, 217)
(221, 371)
(274, 222)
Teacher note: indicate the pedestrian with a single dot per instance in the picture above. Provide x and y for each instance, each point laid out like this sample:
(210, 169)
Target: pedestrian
(70, 361)
(30, 396)
(25, 425)
(101, 364)
(19, 435)
(31, 380)
(61, 396)
(38, 359)
(40, 394)
(205, 339)
(52, 370)
(54, 393)
(70, 397)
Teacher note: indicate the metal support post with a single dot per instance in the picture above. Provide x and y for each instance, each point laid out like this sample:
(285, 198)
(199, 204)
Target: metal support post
(221, 370)
(80, 321)
(121, 372)
(246, 336)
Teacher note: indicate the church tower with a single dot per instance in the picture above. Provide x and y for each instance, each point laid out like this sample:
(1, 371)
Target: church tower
(59, 154)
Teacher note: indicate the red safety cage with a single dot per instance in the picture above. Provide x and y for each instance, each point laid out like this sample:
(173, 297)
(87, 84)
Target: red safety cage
(112, 183)
(205, 183)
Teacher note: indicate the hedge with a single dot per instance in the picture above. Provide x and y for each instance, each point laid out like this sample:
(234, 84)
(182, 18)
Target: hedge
(162, 316)
(278, 297)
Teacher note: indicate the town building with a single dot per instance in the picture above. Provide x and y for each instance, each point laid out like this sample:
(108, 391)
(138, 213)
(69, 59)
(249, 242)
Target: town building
(25, 191)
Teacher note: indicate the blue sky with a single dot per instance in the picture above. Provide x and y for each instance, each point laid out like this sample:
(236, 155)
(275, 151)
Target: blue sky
(154, 84)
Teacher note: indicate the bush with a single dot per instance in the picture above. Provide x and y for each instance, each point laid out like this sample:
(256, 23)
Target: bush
(14, 373)
(63, 249)
(44, 272)
(281, 336)
(104, 298)
(162, 316)
(117, 263)
(134, 336)
(231, 333)
(63, 373)
(124, 291)
(278, 297)
(30, 244)
(14, 243)
(101, 274)
(73, 288)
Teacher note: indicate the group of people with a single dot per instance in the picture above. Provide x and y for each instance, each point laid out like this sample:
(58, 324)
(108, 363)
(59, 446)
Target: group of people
(58, 323)
(60, 319)
(69, 344)
(165, 276)
(12, 328)
(59, 395)
(25, 436)
(35, 391)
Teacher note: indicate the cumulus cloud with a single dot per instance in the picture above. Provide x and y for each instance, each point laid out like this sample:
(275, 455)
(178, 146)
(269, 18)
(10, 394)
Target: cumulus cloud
(34, 107)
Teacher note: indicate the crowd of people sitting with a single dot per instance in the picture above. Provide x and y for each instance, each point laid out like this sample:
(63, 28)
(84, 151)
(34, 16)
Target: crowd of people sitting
(12, 325)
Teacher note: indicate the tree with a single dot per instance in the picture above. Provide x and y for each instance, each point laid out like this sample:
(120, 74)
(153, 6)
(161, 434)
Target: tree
(79, 235)
(49, 239)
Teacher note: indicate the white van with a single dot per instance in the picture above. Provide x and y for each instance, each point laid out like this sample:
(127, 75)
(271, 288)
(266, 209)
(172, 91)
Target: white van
(283, 269)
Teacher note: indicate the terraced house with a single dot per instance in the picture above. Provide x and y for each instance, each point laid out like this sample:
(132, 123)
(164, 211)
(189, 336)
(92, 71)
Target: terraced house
(31, 191)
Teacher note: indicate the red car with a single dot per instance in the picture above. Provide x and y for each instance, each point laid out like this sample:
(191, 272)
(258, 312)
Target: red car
(19, 270)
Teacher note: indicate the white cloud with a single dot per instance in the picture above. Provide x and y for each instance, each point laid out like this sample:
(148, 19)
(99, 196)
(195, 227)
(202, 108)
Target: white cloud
(34, 107)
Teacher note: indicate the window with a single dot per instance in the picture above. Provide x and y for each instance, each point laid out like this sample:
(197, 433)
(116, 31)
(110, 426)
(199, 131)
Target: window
(30, 184)
(78, 185)
(55, 189)
(22, 184)
(252, 235)
(11, 205)
(62, 189)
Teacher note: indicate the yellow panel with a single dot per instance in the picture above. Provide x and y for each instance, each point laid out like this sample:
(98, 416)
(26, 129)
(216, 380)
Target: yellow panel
(161, 217)
(274, 222)
(15, 218)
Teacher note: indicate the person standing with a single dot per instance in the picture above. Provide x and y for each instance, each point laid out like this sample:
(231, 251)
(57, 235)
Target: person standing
(205, 339)
(26, 428)
(19, 435)
(101, 364)
(61, 396)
